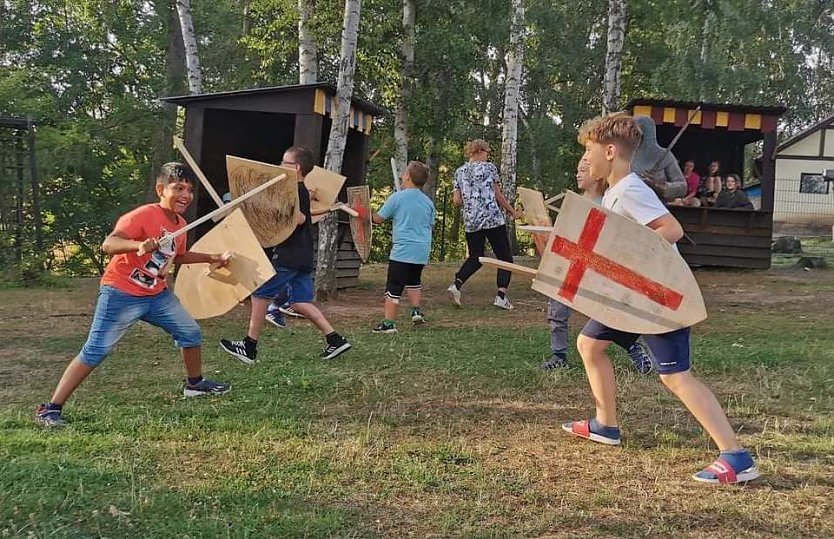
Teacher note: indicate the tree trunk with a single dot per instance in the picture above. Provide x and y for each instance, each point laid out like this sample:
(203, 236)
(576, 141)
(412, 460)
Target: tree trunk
(328, 227)
(174, 75)
(401, 113)
(614, 57)
(433, 164)
(189, 38)
(512, 86)
(308, 69)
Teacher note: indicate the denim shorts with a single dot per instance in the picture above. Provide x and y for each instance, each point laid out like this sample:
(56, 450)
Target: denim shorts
(670, 351)
(116, 311)
(300, 285)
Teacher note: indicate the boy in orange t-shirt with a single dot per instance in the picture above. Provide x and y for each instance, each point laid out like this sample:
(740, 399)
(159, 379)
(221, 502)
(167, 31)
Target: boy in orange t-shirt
(133, 288)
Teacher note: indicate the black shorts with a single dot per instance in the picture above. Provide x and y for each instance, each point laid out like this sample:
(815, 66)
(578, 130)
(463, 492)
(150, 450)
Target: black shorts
(402, 275)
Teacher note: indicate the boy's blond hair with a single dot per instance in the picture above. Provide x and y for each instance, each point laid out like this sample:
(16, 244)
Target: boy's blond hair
(418, 173)
(619, 129)
(475, 145)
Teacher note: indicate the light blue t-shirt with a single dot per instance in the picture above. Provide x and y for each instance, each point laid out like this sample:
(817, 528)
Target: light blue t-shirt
(413, 215)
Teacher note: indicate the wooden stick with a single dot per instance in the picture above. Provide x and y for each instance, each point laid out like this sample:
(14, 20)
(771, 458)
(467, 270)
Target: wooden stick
(536, 229)
(219, 211)
(509, 266)
(396, 176)
(556, 198)
(552, 208)
(202, 177)
(345, 208)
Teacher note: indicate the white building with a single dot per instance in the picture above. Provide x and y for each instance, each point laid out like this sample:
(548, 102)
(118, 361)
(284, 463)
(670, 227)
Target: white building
(804, 196)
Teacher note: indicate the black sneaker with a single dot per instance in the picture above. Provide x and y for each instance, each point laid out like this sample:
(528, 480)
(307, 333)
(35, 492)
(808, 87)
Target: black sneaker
(205, 387)
(641, 356)
(417, 316)
(333, 350)
(243, 350)
(557, 361)
(49, 418)
(386, 327)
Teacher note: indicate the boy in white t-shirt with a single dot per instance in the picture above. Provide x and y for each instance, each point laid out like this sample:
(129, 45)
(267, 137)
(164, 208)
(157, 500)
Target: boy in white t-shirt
(609, 145)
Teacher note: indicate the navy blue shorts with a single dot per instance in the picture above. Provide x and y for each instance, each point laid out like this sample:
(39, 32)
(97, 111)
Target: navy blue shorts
(298, 283)
(670, 351)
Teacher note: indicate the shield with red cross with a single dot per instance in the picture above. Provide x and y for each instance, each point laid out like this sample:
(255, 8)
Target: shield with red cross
(618, 272)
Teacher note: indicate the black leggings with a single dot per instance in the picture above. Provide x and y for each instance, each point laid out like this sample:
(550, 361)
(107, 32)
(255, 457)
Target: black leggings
(500, 242)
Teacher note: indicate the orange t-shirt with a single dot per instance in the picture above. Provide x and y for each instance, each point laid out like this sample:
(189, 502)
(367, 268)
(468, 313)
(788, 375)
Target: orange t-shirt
(144, 275)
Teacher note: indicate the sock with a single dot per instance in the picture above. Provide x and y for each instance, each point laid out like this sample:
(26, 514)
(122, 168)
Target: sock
(560, 355)
(248, 341)
(458, 283)
(501, 294)
(333, 338)
(598, 428)
(53, 406)
(195, 381)
(739, 459)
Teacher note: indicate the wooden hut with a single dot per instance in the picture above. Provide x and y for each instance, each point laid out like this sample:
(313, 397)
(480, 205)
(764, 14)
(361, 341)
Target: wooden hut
(260, 124)
(714, 236)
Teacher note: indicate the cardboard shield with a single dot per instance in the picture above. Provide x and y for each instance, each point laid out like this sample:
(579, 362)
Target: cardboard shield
(617, 272)
(273, 215)
(327, 186)
(359, 200)
(205, 292)
(535, 213)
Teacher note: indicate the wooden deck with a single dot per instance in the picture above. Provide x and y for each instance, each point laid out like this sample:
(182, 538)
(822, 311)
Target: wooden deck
(727, 238)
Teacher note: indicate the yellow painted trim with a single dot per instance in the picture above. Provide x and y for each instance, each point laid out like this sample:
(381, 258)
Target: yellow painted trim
(669, 115)
(722, 119)
(369, 124)
(318, 101)
(696, 120)
(643, 110)
(752, 121)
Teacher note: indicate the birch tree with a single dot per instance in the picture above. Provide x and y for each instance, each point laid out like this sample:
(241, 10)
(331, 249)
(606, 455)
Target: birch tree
(614, 57)
(328, 227)
(308, 71)
(512, 86)
(189, 39)
(401, 113)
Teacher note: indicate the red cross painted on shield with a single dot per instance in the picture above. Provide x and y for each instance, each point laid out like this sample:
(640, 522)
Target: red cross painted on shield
(582, 258)
(363, 214)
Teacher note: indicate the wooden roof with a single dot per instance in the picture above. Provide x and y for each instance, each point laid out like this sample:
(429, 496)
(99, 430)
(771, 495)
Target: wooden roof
(806, 133)
(710, 116)
(362, 104)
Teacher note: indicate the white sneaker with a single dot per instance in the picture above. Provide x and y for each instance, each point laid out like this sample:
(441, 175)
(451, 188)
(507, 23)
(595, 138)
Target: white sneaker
(455, 292)
(503, 303)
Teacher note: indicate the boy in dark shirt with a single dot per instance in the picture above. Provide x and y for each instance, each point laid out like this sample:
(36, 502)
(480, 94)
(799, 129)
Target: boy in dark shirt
(294, 267)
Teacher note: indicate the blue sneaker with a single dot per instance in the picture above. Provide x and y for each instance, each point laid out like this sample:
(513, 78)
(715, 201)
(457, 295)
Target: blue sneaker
(48, 417)
(205, 387)
(276, 319)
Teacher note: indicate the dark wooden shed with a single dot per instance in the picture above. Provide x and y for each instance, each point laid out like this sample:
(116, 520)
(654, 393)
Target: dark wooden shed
(721, 237)
(260, 124)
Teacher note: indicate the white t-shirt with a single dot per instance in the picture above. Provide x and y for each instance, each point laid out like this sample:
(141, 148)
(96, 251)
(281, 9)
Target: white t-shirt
(634, 199)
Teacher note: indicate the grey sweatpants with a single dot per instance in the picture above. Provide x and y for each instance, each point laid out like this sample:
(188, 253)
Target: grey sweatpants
(557, 317)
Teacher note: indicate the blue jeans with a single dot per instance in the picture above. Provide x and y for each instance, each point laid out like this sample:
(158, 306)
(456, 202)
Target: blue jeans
(116, 311)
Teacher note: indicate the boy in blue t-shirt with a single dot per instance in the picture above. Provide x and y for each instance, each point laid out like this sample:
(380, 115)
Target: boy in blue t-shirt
(413, 215)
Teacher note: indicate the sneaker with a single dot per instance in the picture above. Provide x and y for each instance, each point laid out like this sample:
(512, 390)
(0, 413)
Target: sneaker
(276, 319)
(417, 316)
(641, 356)
(386, 327)
(242, 350)
(205, 387)
(49, 418)
(503, 303)
(289, 311)
(333, 350)
(557, 361)
(455, 292)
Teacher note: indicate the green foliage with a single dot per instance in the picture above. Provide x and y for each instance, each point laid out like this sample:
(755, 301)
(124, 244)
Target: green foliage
(90, 73)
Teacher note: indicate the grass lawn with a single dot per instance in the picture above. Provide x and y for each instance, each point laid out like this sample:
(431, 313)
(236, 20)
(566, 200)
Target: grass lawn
(443, 430)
